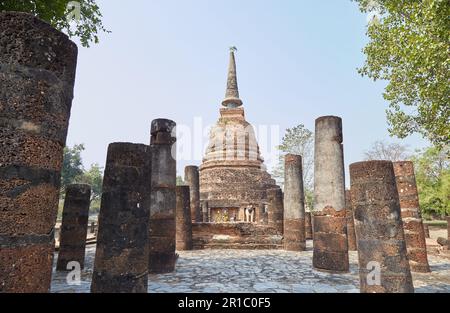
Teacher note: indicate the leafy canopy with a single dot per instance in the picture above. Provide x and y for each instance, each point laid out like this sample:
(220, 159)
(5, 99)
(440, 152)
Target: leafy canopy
(410, 48)
(73, 172)
(57, 13)
(72, 165)
(432, 169)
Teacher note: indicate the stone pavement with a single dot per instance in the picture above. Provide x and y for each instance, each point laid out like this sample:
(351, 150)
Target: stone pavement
(267, 271)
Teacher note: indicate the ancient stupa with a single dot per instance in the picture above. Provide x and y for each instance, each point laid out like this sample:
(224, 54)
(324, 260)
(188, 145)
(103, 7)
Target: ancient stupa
(233, 175)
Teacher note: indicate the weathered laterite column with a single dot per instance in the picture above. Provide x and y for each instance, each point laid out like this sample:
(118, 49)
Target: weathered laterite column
(74, 226)
(379, 229)
(275, 209)
(266, 214)
(410, 213)
(162, 256)
(329, 222)
(191, 177)
(205, 217)
(259, 214)
(308, 226)
(294, 204)
(121, 258)
(183, 219)
(37, 74)
(351, 235)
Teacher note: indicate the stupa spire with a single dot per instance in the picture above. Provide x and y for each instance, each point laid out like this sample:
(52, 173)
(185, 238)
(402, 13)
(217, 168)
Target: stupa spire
(232, 93)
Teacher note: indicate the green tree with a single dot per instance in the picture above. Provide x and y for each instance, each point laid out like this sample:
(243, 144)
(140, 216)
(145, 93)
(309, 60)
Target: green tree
(409, 46)
(94, 178)
(297, 140)
(57, 13)
(72, 165)
(180, 181)
(432, 169)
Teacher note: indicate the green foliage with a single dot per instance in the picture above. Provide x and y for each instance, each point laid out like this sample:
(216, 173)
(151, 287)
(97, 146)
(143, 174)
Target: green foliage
(180, 181)
(72, 165)
(409, 47)
(432, 169)
(56, 13)
(94, 178)
(74, 173)
(297, 140)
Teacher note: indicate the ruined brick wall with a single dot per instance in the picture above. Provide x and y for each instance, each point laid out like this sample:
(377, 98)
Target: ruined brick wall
(235, 236)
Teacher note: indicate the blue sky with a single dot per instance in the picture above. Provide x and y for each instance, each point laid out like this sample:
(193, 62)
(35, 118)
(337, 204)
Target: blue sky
(296, 61)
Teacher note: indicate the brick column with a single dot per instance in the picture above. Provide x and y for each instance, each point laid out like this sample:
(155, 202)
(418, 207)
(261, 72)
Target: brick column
(183, 219)
(121, 258)
(205, 217)
(275, 209)
(37, 75)
(259, 214)
(74, 226)
(308, 226)
(191, 177)
(351, 235)
(294, 204)
(379, 229)
(330, 225)
(162, 255)
(410, 213)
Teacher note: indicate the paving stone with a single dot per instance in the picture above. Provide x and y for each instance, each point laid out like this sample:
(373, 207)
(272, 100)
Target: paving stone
(247, 271)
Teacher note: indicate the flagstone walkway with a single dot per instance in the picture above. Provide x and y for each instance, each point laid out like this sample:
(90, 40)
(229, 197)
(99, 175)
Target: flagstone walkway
(248, 271)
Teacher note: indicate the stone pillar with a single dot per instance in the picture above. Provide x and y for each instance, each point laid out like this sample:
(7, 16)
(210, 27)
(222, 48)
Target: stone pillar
(294, 204)
(37, 75)
(191, 177)
(330, 225)
(92, 228)
(162, 255)
(351, 235)
(379, 229)
(74, 226)
(308, 226)
(410, 213)
(259, 214)
(275, 209)
(183, 219)
(205, 217)
(121, 258)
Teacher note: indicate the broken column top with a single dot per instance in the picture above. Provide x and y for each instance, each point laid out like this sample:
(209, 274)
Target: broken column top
(293, 158)
(406, 167)
(162, 132)
(162, 125)
(126, 153)
(28, 41)
(83, 188)
(191, 168)
(330, 127)
(371, 170)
